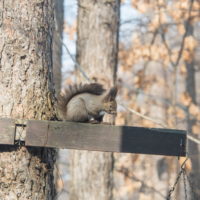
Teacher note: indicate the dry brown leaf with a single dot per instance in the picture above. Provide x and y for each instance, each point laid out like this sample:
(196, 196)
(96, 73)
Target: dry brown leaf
(136, 80)
(194, 109)
(155, 52)
(198, 117)
(176, 14)
(133, 105)
(147, 123)
(171, 110)
(143, 196)
(171, 123)
(141, 6)
(161, 3)
(120, 119)
(130, 60)
(145, 51)
(70, 29)
(188, 164)
(59, 184)
(174, 55)
(68, 81)
(187, 56)
(190, 43)
(123, 54)
(196, 129)
(126, 94)
(180, 113)
(196, 5)
(181, 29)
(163, 17)
(185, 99)
(184, 5)
(160, 81)
(183, 70)
(155, 22)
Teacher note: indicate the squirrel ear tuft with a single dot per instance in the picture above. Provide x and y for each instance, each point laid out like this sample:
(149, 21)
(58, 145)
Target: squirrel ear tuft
(111, 95)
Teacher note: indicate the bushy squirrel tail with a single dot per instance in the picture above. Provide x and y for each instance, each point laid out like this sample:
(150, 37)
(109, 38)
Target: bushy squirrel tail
(73, 90)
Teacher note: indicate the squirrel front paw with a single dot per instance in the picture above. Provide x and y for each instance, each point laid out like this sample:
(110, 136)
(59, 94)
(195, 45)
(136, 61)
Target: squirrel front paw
(94, 121)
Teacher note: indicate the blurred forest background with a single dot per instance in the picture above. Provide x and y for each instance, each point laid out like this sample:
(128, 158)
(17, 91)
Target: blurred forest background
(159, 77)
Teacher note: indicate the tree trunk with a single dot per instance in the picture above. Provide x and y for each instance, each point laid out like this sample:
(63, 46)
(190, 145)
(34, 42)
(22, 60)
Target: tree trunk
(26, 89)
(193, 149)
(57, 46)
(57, 63)
(97, 46)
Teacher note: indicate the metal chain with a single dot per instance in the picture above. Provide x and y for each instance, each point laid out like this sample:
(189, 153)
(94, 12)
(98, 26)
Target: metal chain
(177, 180)
(191, 184)
(184, 183)
(174, 186)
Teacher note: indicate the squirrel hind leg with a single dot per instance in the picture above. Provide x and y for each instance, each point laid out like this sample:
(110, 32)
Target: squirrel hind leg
(76, 111)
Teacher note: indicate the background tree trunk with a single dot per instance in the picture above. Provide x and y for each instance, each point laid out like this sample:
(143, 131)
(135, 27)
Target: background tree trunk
(57, 46)
(97, 47)
(193, 149)
(26, 89)
(57, 77)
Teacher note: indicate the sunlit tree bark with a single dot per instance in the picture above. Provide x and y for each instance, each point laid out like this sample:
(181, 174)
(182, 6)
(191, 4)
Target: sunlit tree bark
(26, 92)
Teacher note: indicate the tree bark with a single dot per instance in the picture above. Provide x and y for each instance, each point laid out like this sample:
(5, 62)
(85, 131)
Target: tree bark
(57, 78)
(97, 42)
(57, 45)
(26, 92)
(97, 47)
(193, 148)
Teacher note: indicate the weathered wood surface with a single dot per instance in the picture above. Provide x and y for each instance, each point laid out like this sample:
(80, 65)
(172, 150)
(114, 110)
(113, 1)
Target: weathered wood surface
(7, 131)
(106, 138)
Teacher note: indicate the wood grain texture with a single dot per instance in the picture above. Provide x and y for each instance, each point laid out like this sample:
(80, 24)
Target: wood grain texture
(106, 138)
(7, 131)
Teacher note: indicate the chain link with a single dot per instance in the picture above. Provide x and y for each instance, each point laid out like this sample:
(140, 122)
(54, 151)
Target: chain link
(191, 184)
(174, 186)
(184, 183)
(177, 180)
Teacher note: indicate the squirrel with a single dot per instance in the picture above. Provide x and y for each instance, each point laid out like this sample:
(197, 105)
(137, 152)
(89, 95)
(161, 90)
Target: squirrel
(87, 103)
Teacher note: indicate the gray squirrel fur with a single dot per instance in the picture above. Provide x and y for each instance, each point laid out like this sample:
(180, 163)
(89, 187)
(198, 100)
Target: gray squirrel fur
(87, 102)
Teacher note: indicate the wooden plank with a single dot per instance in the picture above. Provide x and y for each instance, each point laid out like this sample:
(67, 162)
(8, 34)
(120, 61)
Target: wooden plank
(7, 131)
(100, 137)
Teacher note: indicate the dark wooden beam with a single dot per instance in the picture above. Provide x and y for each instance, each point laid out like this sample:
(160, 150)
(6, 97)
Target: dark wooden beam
(109, 138)
(7, 131)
